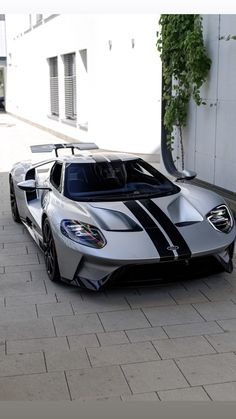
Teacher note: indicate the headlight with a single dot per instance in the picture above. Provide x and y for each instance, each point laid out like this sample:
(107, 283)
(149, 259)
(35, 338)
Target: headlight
(221, 219)
(83, 233)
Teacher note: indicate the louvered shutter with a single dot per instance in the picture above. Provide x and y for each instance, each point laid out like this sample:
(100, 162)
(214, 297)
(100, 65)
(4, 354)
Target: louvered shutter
(54, 92)
(70, 87)
(39, 18)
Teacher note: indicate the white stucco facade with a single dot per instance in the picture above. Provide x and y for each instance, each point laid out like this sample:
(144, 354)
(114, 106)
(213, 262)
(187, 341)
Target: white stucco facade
(2, 37)
(210, 143)
(2, 54)
(118, 91)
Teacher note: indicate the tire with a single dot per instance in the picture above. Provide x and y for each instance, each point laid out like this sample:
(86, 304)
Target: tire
(14, 207)
(50, 254)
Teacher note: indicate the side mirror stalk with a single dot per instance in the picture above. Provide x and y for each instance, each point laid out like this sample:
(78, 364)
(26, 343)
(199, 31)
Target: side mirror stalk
(30, 186)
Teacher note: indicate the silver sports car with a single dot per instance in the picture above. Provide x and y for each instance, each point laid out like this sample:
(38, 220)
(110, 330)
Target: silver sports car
(100, 216)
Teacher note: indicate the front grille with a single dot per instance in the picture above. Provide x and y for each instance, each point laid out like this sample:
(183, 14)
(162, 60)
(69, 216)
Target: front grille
(159, 273)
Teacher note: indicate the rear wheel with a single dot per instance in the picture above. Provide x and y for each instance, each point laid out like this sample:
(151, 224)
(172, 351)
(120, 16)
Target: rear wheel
(14, 208)
(50, 254)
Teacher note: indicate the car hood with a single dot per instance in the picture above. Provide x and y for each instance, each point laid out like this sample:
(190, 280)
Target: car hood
(176, 223)
(187, 207)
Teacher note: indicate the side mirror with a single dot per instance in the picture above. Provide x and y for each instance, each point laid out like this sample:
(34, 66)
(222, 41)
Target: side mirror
(30, 186)
(186, 175)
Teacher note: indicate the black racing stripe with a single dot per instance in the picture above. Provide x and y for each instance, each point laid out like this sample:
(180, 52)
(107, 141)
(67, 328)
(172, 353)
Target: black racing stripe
(155, 234)
(113, 157)
(99, 158)
(169, 227)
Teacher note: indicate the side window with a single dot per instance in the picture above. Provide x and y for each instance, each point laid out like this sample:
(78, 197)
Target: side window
(55, 176)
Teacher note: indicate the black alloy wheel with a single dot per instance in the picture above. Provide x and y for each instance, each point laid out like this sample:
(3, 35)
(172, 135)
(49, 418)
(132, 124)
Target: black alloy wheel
(50, 254)
(14, 208)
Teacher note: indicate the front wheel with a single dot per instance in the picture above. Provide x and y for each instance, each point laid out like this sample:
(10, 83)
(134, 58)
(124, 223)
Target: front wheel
(14, 207)
(50, 254)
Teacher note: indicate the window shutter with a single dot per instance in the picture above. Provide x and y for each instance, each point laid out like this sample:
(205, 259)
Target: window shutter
(39, 18)
(54, 91)
(70, 86)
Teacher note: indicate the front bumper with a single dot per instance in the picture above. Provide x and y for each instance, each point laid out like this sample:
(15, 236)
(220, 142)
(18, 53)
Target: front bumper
(92, 276)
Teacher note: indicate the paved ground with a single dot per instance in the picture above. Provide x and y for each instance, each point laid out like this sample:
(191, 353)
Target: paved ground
(170, 342)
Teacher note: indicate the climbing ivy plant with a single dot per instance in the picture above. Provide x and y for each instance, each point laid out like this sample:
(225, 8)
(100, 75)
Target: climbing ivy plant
(185, 66)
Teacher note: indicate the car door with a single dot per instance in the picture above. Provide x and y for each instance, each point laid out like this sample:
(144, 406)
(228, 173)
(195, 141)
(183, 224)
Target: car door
(41, 175)
(51, 201)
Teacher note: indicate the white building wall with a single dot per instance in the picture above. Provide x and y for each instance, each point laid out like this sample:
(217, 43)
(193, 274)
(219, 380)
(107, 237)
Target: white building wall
(2, 39)
(210, 135)
(119, 96)
(2, 54)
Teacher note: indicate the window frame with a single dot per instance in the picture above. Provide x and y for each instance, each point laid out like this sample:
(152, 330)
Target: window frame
(54, 87)
(70, 87)
(59, 187)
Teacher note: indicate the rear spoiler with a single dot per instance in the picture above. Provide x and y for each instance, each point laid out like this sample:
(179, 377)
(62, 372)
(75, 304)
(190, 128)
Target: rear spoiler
(48, 148)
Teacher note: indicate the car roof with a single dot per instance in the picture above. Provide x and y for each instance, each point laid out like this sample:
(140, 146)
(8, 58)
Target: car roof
(97, 157)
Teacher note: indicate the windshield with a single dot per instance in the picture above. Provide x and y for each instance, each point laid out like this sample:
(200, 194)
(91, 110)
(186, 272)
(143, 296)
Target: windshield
(115, 180)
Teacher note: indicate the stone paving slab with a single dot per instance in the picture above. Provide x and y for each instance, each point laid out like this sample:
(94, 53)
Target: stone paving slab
(149, 300)
(14, 238)
(23, 300)
(224, 294)
(183, 347)
(35, 387)
(123, 320)
(78, 324)
(112, 338)
(31, 247)
(21, 250)
(11, 365)
(222, 392)
(184, 394)
(2, 302)
(25, 268)
(149, 333)
(122, 354)
(83, 341)
(188, 297)
(24, 313)
(2, 347)
(13, 228)
(66, 360)
(154, 376)
(144, 397)
(217, 310)
(54, 309)
(52, 344)
(15, 277)
(97, 382)
(224, 342)
(195, 285)
(15, 288)
(164, 316)
(227, 325)
(27, 329)
(99, 304)
(192, 329)
(209, 369)
(218, 282)
(15, 260)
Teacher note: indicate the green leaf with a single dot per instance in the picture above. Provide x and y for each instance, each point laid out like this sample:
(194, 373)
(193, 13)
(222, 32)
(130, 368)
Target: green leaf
(185, 66)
